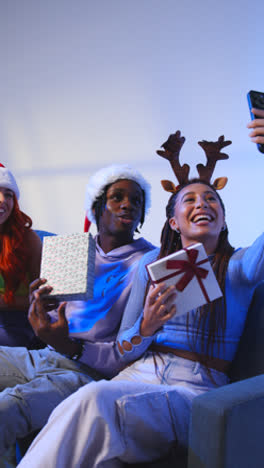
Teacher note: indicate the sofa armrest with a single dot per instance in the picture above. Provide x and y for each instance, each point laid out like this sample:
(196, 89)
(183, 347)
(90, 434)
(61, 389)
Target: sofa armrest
(226, 428)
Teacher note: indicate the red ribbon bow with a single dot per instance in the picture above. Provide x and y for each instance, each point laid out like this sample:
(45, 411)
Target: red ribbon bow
(190, 269)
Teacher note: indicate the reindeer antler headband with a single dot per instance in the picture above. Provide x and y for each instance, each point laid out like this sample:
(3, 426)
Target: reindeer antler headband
(212, 150)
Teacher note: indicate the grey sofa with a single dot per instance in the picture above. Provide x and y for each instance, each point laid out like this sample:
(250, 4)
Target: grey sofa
(227, 424)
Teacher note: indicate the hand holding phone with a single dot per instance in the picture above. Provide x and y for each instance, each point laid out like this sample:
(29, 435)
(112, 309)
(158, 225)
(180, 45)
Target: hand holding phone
(256, 107)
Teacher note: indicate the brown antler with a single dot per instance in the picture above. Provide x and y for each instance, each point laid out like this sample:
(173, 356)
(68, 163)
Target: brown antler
(172, 151)
(212, 150)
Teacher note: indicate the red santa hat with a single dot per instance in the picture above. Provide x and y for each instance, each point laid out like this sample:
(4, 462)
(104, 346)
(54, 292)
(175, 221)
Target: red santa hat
(8, 181)
(109, 175)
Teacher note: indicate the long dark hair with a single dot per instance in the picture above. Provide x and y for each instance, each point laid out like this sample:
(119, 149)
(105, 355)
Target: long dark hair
(210, 318)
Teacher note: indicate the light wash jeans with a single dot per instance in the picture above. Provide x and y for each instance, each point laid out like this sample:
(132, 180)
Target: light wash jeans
(136, 417)
(32, 384)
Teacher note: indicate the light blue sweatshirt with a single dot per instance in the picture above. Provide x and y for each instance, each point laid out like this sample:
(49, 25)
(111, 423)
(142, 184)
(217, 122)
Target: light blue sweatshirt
(245, 271)
(96, 322)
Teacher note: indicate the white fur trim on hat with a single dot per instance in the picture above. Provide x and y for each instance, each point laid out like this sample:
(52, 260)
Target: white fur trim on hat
(109, 175)
(8, 181)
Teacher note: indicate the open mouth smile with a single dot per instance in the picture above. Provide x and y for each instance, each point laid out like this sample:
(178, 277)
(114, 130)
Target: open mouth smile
(202, 217)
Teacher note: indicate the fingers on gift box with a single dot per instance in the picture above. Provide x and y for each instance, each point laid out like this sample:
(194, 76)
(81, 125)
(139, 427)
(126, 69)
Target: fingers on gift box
(190, 270)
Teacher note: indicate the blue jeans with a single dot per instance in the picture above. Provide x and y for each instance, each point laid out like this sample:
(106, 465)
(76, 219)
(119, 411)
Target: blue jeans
(32, 384)
(15, 330)
(135, 417)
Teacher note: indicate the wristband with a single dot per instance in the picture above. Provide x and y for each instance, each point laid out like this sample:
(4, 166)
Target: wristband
(77, 356)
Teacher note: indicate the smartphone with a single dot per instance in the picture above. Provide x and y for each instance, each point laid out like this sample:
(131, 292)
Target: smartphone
(256, 99)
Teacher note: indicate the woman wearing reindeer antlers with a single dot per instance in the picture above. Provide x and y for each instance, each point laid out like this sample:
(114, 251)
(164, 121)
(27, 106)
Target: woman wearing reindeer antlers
(169, 358)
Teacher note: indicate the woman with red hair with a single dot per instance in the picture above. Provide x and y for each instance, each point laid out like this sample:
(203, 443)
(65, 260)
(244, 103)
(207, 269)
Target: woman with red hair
(20, 254)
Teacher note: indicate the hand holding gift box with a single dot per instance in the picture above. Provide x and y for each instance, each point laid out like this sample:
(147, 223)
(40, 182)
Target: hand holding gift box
(68, 264)
(190, 270)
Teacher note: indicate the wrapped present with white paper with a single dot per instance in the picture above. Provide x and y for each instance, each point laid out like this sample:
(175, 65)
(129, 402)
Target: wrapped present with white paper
(68, 265)
(190, 270)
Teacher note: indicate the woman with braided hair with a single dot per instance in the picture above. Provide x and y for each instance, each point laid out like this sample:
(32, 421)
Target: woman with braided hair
(20, 254)
(168, 358)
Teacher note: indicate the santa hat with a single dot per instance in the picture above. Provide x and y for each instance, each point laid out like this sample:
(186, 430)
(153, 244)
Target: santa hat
(109, 175)
(8, 181)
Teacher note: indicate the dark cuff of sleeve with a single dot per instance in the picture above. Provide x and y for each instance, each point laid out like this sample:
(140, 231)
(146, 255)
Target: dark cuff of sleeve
(77, 356)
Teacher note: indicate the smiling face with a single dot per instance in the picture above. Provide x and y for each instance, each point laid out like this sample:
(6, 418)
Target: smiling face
(199, 216)
(122, 212)
(6, 204)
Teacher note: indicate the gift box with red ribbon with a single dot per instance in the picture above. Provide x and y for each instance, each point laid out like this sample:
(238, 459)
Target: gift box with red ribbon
(190, 270)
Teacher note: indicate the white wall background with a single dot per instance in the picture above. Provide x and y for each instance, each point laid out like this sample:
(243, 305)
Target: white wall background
(86, 83)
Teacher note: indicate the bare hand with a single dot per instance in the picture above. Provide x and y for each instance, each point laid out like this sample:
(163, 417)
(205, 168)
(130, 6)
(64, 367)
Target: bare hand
(257, 135)
(47, 302)
(55, 334)
(159, 308)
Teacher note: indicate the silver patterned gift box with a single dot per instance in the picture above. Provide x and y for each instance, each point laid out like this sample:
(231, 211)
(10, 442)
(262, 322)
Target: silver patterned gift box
(68, 265)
